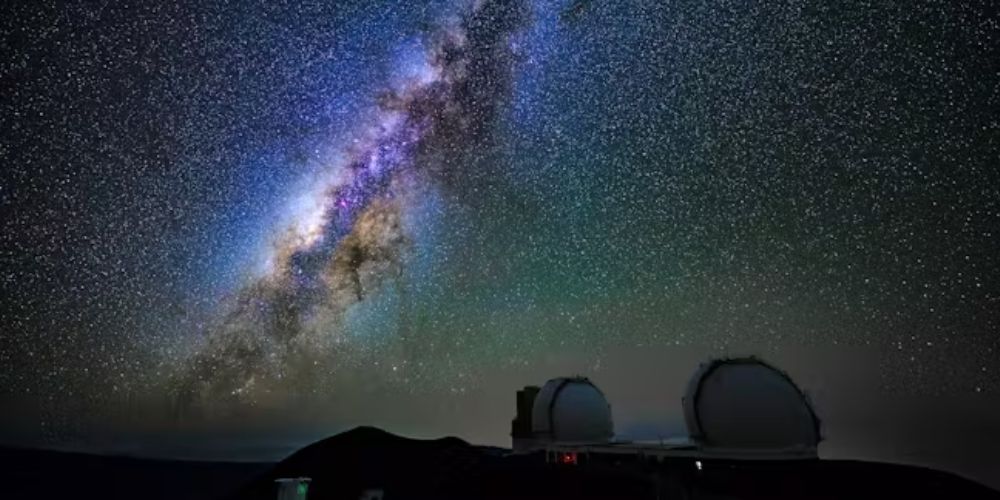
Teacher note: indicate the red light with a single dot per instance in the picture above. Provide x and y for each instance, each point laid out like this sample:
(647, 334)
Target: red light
(568, 458)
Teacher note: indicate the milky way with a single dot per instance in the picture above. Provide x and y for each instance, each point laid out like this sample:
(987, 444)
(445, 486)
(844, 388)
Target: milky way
(355, 239)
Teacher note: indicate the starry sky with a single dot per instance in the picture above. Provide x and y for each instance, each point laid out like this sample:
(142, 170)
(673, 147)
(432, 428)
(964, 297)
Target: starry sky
(309, 215)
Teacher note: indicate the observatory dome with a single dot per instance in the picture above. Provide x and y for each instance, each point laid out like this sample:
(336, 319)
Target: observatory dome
(747, 404)
(571, 410)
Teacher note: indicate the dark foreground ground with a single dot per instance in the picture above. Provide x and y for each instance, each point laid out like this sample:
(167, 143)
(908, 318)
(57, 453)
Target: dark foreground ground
(366, 459)
(43, 474)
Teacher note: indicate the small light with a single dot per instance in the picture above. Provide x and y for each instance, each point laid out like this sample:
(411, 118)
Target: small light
(697, 463)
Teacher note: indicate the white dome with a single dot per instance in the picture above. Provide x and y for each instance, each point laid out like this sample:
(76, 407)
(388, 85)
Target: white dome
(571, 410)
(746, 404)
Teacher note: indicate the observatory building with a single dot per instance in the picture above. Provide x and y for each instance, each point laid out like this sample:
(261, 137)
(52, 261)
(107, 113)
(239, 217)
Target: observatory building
(566, 410)
(738, 408)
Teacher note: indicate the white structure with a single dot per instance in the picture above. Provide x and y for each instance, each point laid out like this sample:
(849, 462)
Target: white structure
(293, 488)
(734, 408)
(744, 406)
(571, 410)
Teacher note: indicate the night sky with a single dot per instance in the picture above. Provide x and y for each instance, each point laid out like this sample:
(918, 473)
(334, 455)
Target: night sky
(280, 220)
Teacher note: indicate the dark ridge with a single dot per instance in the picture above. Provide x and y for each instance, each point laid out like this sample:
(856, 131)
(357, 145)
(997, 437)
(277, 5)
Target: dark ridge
(367, 457)
(367, 436)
